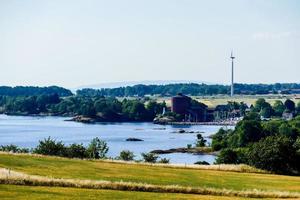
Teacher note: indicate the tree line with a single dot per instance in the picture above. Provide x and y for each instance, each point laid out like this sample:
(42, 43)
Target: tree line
(266, 110)
(100, 108)
(192, 89)
(31, 90)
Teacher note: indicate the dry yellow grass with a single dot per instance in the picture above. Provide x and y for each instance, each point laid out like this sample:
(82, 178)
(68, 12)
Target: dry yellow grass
(16, 178)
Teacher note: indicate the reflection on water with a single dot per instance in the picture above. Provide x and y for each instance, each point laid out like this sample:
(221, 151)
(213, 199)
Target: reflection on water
(27, 131)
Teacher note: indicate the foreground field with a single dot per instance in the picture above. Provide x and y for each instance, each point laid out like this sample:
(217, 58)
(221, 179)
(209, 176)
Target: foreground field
(13, 192)
(155, 175)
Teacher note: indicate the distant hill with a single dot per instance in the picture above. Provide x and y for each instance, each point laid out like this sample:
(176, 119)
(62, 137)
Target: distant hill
(193, 89)
(133, 83)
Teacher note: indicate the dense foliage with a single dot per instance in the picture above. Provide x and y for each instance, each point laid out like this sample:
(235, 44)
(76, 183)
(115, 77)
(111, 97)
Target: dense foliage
(100, 108)
(97, 149)
(271, 145)
(278, 109)
(31, 90)
(191, 89)
(28, 104)
(126, 155)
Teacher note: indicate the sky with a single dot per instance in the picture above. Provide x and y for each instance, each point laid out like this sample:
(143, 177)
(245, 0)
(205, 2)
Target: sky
(72, 43)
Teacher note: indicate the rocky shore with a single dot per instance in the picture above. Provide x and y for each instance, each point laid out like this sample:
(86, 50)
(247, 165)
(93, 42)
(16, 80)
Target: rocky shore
(223, 123)
(195, 150)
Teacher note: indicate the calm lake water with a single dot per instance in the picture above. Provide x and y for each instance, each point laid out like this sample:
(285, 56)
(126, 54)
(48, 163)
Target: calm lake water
(27, 131)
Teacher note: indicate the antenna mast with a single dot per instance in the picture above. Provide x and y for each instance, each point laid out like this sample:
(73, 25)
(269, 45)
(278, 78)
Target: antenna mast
(232, 75)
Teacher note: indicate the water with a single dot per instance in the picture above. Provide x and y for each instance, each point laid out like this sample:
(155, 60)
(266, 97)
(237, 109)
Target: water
(27, 131)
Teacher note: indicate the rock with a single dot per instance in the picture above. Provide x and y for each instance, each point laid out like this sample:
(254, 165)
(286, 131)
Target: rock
(163, 120)
(159, 128)
(83, 119)
(134, 140)
(195, 150)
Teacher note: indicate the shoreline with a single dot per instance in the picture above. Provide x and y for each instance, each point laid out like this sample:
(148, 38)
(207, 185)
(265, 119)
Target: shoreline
(90, 120)
(227, 123)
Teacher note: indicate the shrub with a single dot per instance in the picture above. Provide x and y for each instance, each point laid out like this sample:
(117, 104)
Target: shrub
(50, 147)
(97, 149)
(200, 141)
(201, 163)
(164, 160)
(227, 156)
(126, 155)
(76, 151)
(149, 157)
(14, 149)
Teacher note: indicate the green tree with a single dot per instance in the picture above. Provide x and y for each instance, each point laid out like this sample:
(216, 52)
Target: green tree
(227, 156)
(232, 156)
(50, 147)
(247, 131)
(126, 155)
(76, 151)
(164, 161)
(290, 105)
(149, 157)
(259, 104)
(97, 149)
(219, 140)
(271, 127)
(298, 108)
(200, 141)
(274, 153)
(279, 108)
(267, 111)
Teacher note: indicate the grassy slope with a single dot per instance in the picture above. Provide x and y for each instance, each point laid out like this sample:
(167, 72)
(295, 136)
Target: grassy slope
(13, 192)
(78, 169)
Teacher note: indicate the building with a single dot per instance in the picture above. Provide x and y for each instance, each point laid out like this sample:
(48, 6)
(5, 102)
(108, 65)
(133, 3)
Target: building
(192, 111)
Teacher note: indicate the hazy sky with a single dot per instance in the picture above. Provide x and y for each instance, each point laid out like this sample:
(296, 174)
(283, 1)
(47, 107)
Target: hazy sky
(80, 42)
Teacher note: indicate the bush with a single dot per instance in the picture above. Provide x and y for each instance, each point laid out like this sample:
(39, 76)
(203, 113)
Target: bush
(200, 141)
(126, 155)
(201, 163)
(76, 151)
(51, 147)
(227, 156)
(13, 148)
(97, 149)
(149, 157)
(164, 161)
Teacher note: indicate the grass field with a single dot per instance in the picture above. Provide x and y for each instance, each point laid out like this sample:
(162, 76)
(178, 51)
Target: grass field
(213, 101)
(14, 192)
(102, 170)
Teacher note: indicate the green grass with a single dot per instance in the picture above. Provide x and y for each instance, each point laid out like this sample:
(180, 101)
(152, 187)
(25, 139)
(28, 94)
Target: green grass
(100, 170)
(13, 192)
